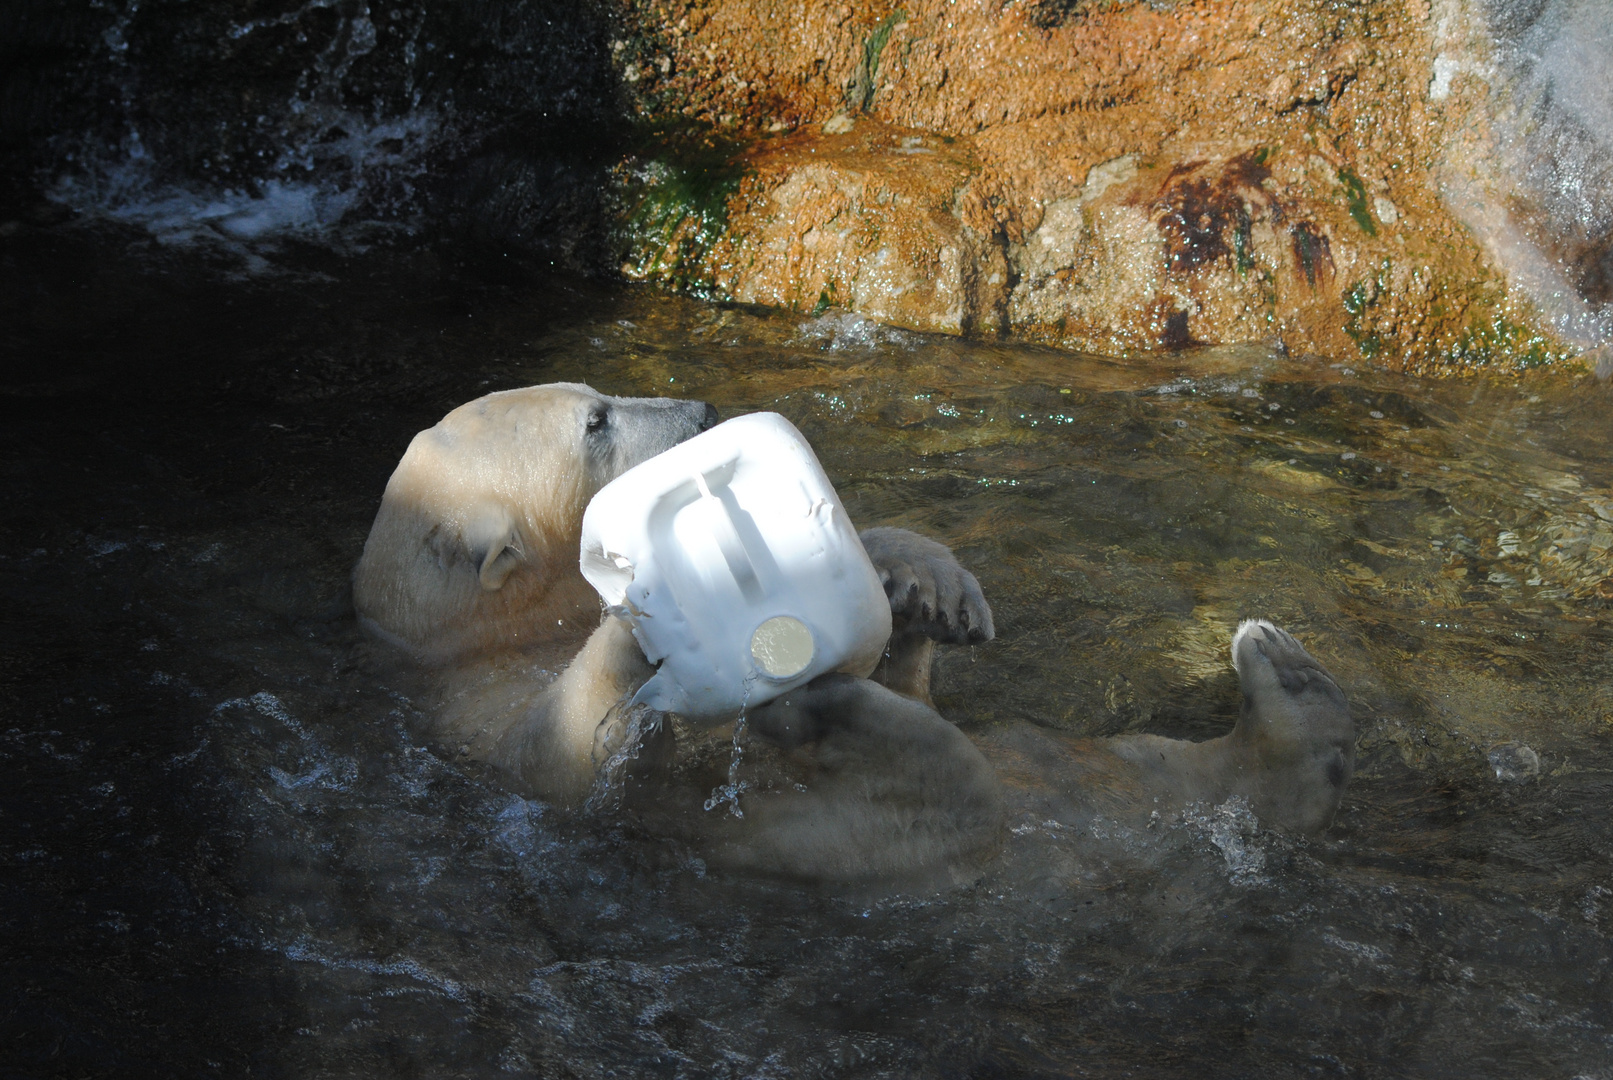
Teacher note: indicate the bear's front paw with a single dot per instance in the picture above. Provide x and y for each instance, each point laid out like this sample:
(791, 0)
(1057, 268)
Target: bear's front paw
(930, 591)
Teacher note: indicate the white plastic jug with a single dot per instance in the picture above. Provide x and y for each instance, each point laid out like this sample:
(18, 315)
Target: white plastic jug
(734, 561)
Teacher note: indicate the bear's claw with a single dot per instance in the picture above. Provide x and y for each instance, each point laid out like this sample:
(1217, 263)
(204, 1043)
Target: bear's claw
(930, 591)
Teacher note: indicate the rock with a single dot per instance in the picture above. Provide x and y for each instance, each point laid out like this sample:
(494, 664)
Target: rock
(1127, 175)
(860, 216)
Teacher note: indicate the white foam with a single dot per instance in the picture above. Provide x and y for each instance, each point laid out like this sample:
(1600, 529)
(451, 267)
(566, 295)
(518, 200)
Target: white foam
(321, 189)
(839, 331)
(310, 951)
(1235, 831)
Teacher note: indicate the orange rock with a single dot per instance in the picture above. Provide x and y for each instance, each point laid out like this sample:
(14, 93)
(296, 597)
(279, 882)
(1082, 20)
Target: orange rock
(866, 220)
(1108, 176)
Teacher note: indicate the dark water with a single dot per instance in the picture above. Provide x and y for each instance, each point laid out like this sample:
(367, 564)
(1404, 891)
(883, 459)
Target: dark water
(243, 120)
(225, 854)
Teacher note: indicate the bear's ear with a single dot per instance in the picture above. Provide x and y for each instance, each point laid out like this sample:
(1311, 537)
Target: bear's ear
(499, 561)
(494, 540)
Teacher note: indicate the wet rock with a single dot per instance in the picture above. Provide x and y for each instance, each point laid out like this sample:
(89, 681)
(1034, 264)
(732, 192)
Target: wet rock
(1151, 176)
(1421, 184)
(857, 215)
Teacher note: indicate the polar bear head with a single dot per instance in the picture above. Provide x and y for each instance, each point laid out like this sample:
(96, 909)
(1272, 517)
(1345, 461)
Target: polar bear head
(474, 548)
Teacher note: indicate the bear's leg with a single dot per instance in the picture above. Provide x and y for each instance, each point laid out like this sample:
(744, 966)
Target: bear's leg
(906, 666)
(554, 749)
(933, 599)
(1291, 753)
(895, 793)
(1294, 740)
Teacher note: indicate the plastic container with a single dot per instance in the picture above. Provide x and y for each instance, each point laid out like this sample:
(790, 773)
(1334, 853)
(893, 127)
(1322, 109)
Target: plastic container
(733, 560)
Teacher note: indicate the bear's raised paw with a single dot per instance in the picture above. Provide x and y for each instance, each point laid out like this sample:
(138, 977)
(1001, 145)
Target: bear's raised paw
(930, 591)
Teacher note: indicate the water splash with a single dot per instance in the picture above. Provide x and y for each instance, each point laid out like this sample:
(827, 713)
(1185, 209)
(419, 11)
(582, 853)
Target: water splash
(307, 164)
(850, 332)
(637, 723)
(728, 793)
(1233, 828)
(1543, 199)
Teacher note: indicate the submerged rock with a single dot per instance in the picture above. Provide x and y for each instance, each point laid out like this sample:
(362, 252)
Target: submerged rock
(1122, 176)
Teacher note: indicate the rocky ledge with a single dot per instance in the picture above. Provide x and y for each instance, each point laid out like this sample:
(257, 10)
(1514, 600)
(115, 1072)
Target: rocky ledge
(1352, 179)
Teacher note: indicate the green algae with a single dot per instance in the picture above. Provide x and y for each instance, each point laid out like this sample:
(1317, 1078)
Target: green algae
(675, 195)
(826, 300)
(1355, 197)
(865, 80)
(1359, 299)
(1497, 340)
(1494, 335)
(1243, 241)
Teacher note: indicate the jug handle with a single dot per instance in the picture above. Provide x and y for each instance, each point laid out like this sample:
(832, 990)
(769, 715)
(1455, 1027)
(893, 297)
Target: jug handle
(731, 546)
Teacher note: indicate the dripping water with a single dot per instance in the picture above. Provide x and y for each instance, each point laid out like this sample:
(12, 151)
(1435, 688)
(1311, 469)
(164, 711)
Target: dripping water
(728, 792)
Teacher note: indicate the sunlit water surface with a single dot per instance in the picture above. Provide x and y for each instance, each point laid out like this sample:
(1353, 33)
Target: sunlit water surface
(228, 852)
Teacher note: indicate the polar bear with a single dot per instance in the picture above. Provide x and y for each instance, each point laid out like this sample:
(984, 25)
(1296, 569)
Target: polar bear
(471, 570)
(1290, 756)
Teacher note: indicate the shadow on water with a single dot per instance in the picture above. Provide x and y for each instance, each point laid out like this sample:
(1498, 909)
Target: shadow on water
(227, 854)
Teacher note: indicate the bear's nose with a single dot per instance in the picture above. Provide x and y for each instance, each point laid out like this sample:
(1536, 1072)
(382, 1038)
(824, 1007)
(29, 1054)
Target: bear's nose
(709, 421)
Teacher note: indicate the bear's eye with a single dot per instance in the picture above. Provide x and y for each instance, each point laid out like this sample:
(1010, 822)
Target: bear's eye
(597, 418)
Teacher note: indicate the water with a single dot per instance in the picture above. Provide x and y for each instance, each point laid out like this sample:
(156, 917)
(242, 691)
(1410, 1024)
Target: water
(293, 159)
(243, 127)
(228, 853)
